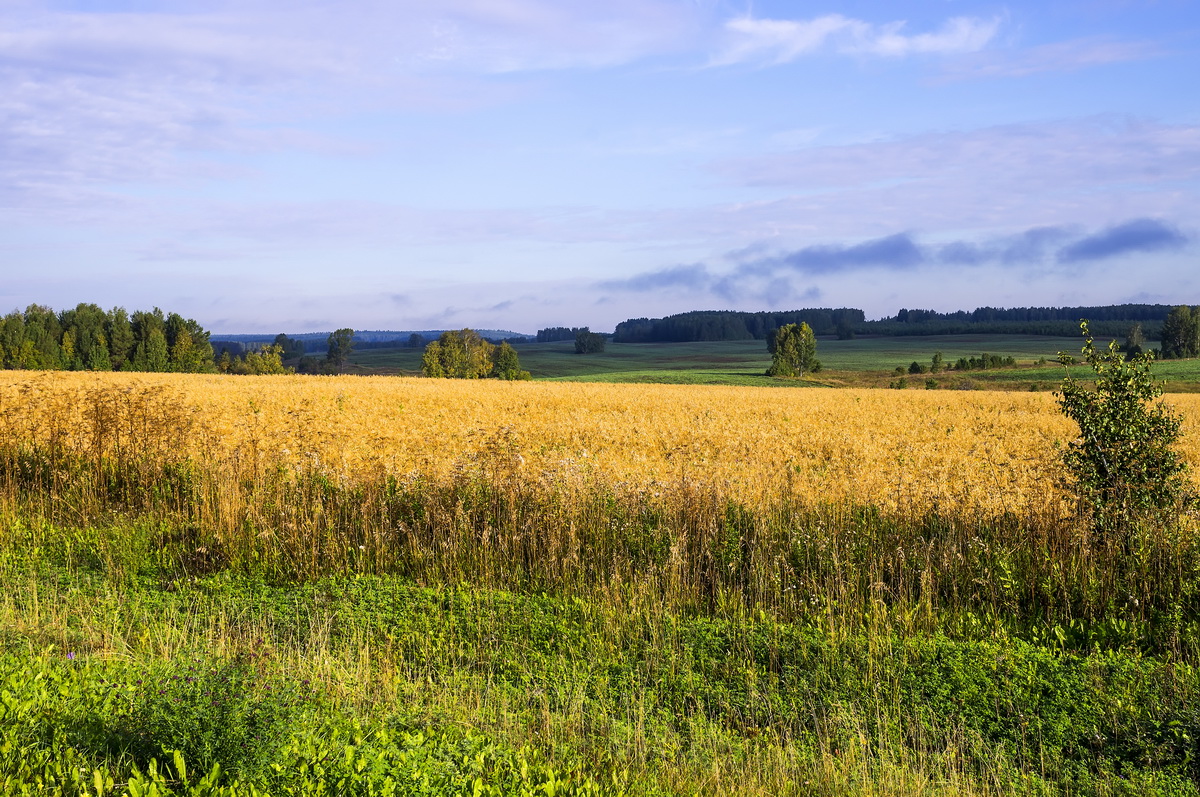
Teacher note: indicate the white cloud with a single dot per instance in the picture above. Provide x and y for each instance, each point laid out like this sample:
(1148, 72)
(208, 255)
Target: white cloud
(780, 41)
(957, 35)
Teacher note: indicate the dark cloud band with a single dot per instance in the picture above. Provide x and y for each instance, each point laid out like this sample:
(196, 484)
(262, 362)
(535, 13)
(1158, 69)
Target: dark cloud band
(1138, 235)
(1037, 246)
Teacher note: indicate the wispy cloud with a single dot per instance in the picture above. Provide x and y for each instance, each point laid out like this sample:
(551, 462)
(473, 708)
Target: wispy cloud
(1099, 149)
(779, 41)
(96, 100)
(1002, 177)
(93, 100)
(1066, 56)
(1041, 178)
(521, 35)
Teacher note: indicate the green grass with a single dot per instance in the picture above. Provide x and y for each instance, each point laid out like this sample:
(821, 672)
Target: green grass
(886, 353)
(456, 688)
(863, 362)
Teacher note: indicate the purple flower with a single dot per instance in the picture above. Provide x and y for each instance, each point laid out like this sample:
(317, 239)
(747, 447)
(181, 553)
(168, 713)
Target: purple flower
(71, 656)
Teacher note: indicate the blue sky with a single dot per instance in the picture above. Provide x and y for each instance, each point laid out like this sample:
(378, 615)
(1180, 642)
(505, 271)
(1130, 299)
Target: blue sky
(268, 166)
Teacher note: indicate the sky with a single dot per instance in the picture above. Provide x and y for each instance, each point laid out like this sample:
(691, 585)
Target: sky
(304, 165)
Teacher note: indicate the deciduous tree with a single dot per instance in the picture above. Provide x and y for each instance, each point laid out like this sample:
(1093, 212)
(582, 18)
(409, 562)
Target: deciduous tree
(1181, 333)
(506, 364)
(341, 343)
(1133, 341)
(793, 351)
(463, 354)
(289, 348)
(588, 342)
(266, 360)
(120, 338)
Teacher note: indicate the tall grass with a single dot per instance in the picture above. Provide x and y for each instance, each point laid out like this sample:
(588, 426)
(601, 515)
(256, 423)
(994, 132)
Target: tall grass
(691, 542)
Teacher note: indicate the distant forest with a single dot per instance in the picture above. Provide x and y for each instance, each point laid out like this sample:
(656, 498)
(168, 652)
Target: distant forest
(732, 325)
(702, 325)
(1106, 321)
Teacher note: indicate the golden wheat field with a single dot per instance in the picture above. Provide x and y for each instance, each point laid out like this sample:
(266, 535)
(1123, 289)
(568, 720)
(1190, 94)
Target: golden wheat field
(993, 451)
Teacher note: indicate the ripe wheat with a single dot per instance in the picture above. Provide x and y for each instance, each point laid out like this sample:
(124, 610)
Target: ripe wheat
(990, 451)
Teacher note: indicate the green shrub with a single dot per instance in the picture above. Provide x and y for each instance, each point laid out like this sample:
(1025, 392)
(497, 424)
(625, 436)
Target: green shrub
(1122, 465)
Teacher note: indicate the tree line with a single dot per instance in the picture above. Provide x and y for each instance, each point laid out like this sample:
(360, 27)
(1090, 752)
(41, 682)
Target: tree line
(555, 334)
(1060, 329)
(1112, 312)
(586, 341)
(1108, 320)
(87, 337)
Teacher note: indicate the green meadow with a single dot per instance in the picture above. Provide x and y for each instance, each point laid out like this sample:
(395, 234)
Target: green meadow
(862, 362)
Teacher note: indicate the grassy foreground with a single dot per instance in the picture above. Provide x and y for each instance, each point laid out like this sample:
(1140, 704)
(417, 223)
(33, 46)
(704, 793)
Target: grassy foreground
(173, 624)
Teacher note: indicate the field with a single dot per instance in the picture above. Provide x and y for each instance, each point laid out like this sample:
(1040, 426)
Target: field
(863, 362)
(349, 585)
